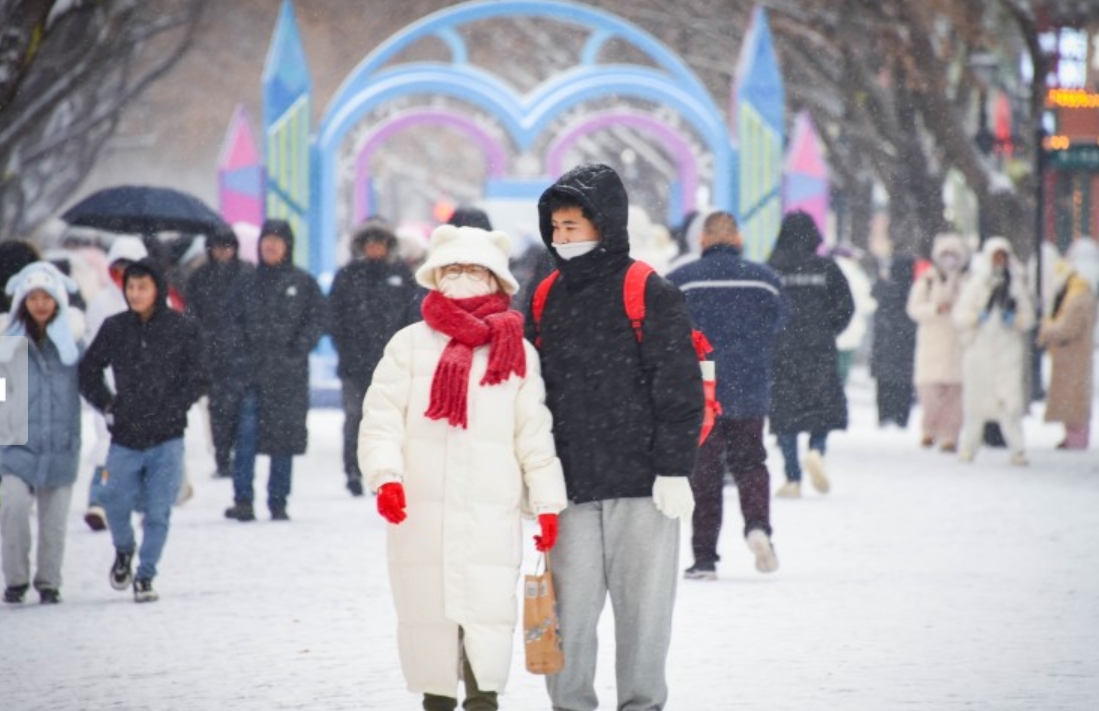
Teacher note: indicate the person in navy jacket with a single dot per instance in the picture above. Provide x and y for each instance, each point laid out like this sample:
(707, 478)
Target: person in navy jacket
(740, 307)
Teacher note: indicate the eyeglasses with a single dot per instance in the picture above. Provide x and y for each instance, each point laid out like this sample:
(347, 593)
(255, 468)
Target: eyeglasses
(475, 271)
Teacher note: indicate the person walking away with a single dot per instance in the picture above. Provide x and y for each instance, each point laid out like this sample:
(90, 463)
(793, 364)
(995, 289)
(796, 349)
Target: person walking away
(1068, 333)
(213, 293)
(850, 339)
(938, 368)
(156, 356)
(283, 320)
(108, 301)
(368, 304)
(893, 353)
(40, 473)
(627, 410)
(806, 392)
(740, 307)
(993, 315)
(455, 431)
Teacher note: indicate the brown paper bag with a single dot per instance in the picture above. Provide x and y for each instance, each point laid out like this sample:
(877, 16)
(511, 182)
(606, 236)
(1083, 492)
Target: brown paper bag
(541, 633)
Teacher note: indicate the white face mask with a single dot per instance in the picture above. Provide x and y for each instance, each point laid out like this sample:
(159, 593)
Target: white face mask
(948, 262)
(466, 287)
(572, 250)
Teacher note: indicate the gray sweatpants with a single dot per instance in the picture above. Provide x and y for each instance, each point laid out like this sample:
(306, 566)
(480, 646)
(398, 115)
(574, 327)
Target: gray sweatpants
(628, 548)
(16, 499)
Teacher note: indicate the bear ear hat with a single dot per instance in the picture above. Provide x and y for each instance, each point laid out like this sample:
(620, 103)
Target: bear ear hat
(501, 241)
(444, 234)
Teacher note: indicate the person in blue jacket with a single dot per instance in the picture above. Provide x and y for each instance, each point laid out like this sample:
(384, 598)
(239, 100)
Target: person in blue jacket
(740, 307)
(41, 471)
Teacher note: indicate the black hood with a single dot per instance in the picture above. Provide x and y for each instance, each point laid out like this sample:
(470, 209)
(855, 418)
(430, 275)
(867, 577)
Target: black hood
(599, 189)
(222, 238)
(281, 229)
(148, 267)
(798, 239)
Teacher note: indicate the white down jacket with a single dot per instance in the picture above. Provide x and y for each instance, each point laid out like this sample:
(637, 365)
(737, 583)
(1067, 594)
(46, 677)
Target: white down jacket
(938, 348)
(454, 562)
(994, 359)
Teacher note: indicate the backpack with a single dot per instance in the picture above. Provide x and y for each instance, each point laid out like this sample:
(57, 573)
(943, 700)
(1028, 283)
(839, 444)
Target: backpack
(633, 294)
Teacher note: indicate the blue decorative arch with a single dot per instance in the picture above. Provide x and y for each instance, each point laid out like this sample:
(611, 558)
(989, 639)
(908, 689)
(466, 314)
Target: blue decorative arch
(372, 83)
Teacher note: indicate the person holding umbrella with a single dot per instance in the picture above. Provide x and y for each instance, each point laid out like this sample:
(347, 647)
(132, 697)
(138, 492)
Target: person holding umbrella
(283, 318)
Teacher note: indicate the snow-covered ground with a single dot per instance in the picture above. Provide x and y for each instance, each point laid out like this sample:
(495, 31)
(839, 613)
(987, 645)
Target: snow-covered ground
(919, 583)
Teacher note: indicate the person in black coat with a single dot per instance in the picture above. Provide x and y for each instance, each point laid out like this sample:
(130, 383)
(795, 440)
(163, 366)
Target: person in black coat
(283, 317)
(806, 394)
(155, 354)
(368, 303)
(893, 354)
(627, 417)
(213, 295)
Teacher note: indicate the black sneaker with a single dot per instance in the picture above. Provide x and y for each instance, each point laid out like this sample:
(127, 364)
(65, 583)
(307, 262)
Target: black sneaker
(143, 591)
(355, 485)
(278, 513)
(49, 596)
(121, 574)
(241, 511)
(701, 571)
(14, 594)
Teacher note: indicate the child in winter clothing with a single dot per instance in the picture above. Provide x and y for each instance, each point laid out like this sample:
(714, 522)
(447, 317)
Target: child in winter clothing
(938, 374)
(1068, 333)
(42, 470)
(455, 425)
(993, 314)
(156, 355)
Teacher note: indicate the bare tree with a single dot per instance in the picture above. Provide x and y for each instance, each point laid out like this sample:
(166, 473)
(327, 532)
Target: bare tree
(67, 72)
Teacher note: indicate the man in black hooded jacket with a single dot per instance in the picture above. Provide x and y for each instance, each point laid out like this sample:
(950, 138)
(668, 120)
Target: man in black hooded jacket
(155, 354)
(627, 417)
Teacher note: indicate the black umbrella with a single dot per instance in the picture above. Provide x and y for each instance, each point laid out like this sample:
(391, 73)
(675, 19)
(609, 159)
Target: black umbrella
(143, 209)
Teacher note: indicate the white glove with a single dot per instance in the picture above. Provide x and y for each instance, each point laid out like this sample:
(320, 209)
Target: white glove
(673, 497)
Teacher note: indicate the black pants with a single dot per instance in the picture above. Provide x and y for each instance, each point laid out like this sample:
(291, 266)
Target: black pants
(353, 393)
(738, 445)
(894, 401)
(224, 412)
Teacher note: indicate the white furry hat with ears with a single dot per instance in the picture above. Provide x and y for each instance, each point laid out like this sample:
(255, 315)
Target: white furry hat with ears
(48, 278)
(127, 247)
(468, 245)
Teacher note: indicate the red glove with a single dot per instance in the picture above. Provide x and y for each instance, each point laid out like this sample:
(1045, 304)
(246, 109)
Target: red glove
(549, 532)
(391, 502)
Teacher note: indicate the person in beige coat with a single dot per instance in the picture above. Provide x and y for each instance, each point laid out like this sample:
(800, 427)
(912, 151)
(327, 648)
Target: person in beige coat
(456, 440)
(1067, 333)
(938, 373)
(994, 312)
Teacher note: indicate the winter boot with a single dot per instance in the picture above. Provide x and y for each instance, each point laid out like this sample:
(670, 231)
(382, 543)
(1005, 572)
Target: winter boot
(121, 574)
(13, 594)
(760, 544)
(355, 484)
(927, 442)
(96, 518)
(278, 513)
(1018, 459)
(434, 702)
(143, 591)
(789, 490)
(949, 447)
(814, 464)
(241, 511)
(701, 571)
(49, 596)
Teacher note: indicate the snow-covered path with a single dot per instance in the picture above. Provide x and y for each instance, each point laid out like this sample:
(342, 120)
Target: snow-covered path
(919, 582)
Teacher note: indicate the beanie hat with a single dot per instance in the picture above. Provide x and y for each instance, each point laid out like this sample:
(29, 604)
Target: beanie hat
(48, 278)
(127, 247)
(468, 245)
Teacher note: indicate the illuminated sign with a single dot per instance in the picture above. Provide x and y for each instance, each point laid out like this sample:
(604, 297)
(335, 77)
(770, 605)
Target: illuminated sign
(1072, 99)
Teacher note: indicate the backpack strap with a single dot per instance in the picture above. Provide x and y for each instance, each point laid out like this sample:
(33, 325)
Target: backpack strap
(538, 304)
(633, 293)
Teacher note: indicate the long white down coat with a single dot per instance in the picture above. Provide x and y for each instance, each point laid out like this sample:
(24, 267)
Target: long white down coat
(938, 347)
(994, 356)
(454, 562)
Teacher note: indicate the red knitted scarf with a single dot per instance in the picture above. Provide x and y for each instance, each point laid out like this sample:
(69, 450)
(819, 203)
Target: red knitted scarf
(471, 323)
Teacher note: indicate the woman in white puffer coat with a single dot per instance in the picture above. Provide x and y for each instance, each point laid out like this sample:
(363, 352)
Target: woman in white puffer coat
(993, 314)
(455, 426)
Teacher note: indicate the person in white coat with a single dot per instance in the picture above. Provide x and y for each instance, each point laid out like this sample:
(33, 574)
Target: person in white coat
(993, 315)
(850, 339)
(456, 440)
(938, 373)
(108, 301)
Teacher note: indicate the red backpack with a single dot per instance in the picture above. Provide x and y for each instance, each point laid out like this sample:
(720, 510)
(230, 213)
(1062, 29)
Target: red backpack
(633, 294)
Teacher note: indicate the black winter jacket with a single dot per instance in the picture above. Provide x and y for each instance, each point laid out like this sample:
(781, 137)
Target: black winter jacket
(368, 303)
(158, 372)
(214, 294)
(623, 412)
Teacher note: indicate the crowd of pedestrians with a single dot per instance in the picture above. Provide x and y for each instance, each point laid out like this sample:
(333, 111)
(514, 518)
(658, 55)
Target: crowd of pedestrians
(580, 403)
